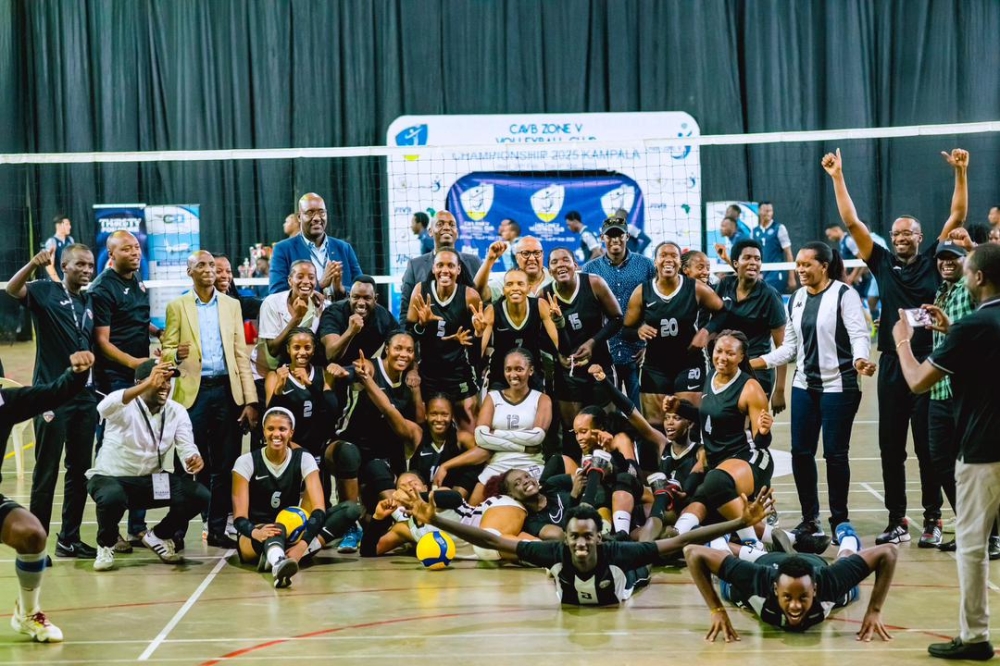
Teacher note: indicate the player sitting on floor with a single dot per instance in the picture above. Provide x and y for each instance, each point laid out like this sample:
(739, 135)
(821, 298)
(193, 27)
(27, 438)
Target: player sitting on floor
(268, 480)
(795, 592)
(442, 442)
(588, 570)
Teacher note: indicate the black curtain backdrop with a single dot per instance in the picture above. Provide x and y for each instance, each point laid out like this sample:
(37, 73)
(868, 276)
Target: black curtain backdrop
(122, 75)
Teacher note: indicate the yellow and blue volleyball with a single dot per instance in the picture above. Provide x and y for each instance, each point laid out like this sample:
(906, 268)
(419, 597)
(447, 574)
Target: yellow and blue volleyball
(294, 520)
(435, 550)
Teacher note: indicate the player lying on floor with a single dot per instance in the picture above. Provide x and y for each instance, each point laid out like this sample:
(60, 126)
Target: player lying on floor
(794, 592)
(276, 477)
(588, 570)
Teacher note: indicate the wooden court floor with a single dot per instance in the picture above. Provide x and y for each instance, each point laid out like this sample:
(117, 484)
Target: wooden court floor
(345, 610)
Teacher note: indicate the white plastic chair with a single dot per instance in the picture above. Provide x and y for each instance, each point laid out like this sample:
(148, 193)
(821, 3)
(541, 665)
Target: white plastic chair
(21, 434)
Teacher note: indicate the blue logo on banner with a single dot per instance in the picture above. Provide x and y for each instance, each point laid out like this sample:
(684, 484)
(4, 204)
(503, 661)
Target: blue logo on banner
(680, 152)
(412, 136)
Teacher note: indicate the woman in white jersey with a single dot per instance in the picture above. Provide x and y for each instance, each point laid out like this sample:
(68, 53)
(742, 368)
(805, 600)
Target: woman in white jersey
(511, 426)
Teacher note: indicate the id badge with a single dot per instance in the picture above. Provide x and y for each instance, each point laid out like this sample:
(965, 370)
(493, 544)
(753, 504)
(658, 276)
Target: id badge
(161, 486)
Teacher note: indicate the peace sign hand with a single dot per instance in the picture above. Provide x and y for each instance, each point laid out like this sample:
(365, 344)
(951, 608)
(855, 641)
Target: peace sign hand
(554, 310)
(425, 314)
(478, 319)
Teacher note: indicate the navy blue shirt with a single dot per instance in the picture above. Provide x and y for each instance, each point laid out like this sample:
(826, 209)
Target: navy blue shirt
(622, 280)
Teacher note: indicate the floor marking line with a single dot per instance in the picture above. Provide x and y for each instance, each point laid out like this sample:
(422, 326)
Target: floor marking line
(179, 615)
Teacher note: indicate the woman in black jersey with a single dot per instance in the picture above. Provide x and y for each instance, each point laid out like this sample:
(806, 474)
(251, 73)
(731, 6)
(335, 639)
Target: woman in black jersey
(679, 460)
(664, 313)
(545, 500)
(517, 321)
(443, 441)
(306, 392)
(736, 434)
(276, 477)
(440, 316)
(756, 308)
(695, 265)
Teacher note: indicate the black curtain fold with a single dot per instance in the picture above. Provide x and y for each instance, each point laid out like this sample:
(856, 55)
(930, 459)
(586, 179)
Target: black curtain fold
(187, 74)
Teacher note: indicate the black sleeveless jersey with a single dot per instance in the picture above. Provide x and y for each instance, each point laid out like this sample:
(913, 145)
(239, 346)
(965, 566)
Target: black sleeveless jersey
(725, 431)
(584, 318)
(557, 491)
(270, 494)
(507, 336)
(308, 404)
(365, 426)
(445, 358)
(679, 469)
(674, 318)
(426, 459)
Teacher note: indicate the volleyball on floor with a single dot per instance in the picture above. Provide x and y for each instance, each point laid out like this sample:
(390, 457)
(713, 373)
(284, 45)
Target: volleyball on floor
(294, 520)
(435, 550)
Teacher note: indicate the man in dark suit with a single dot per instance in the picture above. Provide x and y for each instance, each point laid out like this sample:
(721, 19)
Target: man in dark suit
(335, 260)
(419, 268)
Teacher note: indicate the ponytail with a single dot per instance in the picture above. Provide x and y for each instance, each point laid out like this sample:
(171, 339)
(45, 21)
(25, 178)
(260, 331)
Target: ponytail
(829, 256)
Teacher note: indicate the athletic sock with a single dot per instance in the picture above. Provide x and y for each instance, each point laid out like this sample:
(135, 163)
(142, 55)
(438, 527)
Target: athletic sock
(622, 521)
(314, 546)
(660, 503)
(594, 480)
(274, 554)
(746, 534)
(30, 568)
(767, 538)
(850, 544)
(720, 543)
(686, 522)
(752, 553)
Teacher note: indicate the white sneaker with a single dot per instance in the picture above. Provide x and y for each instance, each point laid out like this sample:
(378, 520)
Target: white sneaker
(164, 548)
(230, 528)
(283, 572)
(37, 626)
(105, 560)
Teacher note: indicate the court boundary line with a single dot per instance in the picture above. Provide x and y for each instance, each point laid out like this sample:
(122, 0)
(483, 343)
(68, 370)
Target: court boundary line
(182, 611)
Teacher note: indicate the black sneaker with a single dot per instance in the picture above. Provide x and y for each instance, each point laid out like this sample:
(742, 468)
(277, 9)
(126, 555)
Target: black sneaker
(994, 548)
(895, 532)
(76, 549)
(810, 527)
(806, 542)
(931, 537)
(956, 649)
(780, 541)
(220, 541)
(948, 546)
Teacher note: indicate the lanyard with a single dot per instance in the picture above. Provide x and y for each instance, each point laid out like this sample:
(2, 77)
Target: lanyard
(72, 310)
(152, 433)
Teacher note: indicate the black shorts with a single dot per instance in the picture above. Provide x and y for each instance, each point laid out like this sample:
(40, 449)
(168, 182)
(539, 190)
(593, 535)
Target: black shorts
(690, 379)
(762, 464)
(6, 506)
(457, 388)
(581, 387)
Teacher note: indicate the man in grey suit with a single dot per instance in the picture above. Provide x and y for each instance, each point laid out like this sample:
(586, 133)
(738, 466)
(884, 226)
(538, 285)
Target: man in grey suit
(418, 270)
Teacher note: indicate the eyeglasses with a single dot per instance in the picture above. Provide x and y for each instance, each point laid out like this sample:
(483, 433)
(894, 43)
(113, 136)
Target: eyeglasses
(906, 233)
(525, 254)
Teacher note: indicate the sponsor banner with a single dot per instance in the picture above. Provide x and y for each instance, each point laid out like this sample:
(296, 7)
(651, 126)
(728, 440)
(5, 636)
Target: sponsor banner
(110, 218)
(517, 171)
(173, 233)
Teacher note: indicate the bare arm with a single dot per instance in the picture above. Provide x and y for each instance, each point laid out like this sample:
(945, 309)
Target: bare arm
(17, 286)
(833, 164)
(881, 560)
(959, 160)
(102, 340)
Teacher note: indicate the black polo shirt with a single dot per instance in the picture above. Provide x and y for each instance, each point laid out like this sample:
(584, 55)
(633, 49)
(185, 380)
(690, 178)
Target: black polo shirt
(64, 324)
(123, 305)
(761, 311)
(970, 355)
(334, 321)
(904, 286)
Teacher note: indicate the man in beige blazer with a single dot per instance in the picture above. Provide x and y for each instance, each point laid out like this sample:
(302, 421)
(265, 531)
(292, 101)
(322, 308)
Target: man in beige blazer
(204, 337)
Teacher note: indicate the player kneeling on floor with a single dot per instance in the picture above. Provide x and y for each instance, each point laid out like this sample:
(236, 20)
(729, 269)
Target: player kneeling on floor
(794, 592)
(278, 504)
(588, 570)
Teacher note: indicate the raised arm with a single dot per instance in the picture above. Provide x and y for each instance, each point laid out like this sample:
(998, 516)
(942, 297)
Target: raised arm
(834, 166)
(959, 161)
(17, 286)
(481, 282)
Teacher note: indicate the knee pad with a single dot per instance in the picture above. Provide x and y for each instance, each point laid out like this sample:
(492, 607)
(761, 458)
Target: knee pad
(487, 554)
(628, 483)
(717, 489)
(346, 460)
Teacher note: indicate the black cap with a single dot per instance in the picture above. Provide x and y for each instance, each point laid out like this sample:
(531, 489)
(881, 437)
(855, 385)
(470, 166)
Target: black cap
(146, 369)
(618, 223)
(947, 247)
